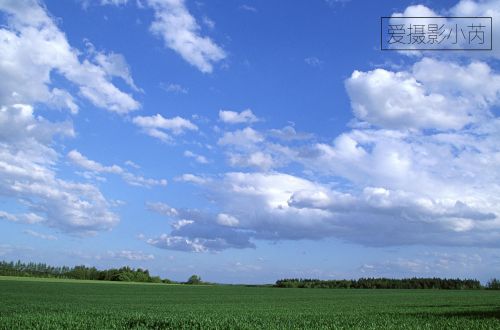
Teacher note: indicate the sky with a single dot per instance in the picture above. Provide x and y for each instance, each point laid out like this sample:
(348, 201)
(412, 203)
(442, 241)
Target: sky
(247, 140)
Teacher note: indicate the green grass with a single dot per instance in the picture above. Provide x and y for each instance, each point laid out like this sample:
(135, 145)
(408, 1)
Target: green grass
(63, 280)
(56, 304)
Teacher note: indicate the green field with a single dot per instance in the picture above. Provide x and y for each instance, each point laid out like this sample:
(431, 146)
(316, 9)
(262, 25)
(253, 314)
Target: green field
(59, 304)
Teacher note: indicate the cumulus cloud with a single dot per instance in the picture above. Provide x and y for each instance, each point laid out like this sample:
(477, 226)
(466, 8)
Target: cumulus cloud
(464, 8)
(234, 228)
(246, 137)
(404, 185)
(196, 231)
(32, 48)
(181, 33)
(156, 126)
(188, 177)
(233, 117)
(433, 95)
(27, 175)
(198, 158)
(289, 207)
(134, 180)
(419, 167)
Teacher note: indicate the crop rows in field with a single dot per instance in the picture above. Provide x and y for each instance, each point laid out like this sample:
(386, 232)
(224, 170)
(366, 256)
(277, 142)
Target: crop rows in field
(67, 305)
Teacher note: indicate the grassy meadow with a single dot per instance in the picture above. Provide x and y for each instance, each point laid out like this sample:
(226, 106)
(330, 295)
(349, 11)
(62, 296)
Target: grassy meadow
(27, 303)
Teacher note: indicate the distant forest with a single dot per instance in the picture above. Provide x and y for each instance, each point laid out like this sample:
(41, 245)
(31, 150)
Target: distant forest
(127, 274)
(389, 283)
(124, 274)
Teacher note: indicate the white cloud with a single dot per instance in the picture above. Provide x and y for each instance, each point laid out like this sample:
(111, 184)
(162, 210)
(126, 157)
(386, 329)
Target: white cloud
(181, 223)
(416, 11)
(153, 126)
(132, 164)
(288, 133)
(61, 99)
(246, 137)
(434, 95)
(130, 255)
(464, 8)
(114, 2)
(397, 196)
(208, 22)
(439, 165)
(461, 81)
(227, 220)
(40, 235)
(249, 8)
(32, 48)
(183, 242)
(174, 88)
(418, 175)
(257, 159)
(82, 161)
(162, 208)
(135, 180)
(27, 176)
(115, 65)
(29, 218)
(233, 117)
(181, 33)
(196, 231)
(198, 158)
(179, 243)
(188, 177)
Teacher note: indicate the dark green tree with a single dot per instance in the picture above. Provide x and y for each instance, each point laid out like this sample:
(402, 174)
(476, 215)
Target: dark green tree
(493, 284)
(194, 279)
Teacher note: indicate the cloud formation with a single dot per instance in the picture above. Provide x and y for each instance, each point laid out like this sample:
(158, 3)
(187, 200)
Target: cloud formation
(181, 33)
(233, 117)
(464, 8)
(156, 126)
(32, 48)
(93, 166)
(32, 51)
(195, 231)
(433, 95)
(418, 166)
(27, 175)
(198, 158)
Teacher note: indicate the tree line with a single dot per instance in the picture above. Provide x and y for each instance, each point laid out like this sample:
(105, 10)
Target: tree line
(390, 283)
(127, 274)
(124, 274)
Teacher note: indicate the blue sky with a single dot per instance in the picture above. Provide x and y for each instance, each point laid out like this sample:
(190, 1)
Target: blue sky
(246, 141)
